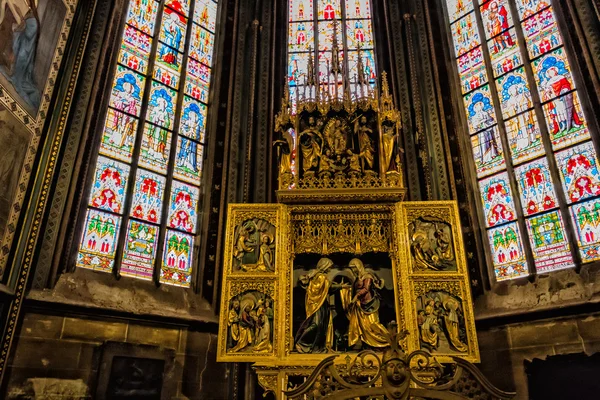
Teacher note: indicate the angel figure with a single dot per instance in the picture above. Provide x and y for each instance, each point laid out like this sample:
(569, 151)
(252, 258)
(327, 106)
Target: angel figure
(265, 253)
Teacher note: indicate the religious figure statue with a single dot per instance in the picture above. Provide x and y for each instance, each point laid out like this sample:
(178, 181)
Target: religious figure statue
(310, 145)
(430, 326)
(326, 163)
(243, 245)
(284, 155)
(451, 324)
(431, 246)
(262, 337)
(247, 325)
(265, 254)
(362, 309)
(233, 322)
(365, 143)
(315, 334)
(353, 162)
(389, 137)
(339, 138)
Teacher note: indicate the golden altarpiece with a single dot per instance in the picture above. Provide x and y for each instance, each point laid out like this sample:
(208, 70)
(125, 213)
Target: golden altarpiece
(342, 280)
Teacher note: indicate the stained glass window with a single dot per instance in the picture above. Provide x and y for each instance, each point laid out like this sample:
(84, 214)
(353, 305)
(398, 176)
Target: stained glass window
(142, 212)
(530, 140)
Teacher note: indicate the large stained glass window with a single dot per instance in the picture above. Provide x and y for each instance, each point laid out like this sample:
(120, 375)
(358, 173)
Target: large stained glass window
(536, 165)
(143, 207)
(314, 27)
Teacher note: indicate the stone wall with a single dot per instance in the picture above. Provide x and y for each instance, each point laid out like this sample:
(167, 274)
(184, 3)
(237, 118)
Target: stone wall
(505, 349)
(57, 355)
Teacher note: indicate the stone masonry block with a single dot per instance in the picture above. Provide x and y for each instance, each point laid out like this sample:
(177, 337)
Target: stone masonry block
(93, 330)
(41, 326)
(165, 337)
(541, 334)
(589, 328)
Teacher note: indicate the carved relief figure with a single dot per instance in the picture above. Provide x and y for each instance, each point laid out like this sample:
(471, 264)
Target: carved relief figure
(311, 144)
(365, 143)
(250, 320)
(254, 246)
(391, 159)
(431, 244)
(441, 323)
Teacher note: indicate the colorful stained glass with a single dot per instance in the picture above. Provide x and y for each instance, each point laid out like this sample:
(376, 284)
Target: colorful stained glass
(110, 181)
(297, 68)
(301, 10)
(535, 187)
(193, 119)
(148, 196)
(579, 174)
(487, 152)
(181, 6)
(553, 74)
(183, 206)
(167, 67)
(529, 7)
(541, 33)
(188, 163)
(199, 71)
(326, 35)
(498, 204)
(465, 34)
(496, 18)
(127, 91)
(549, 242)
(471, 70)
(359, 33)
(140, 250)
(137, 40)
(177, 259)
(99, 240)
(161, 105)
(586, 218)
(201, 45)
(524, 137)
(301, 36)
(172, 29)
(480, 112)
(196, 88)
(118, 136)
(565, 120)
(154, 153)
(505, 57)
(133, 58)
(358, 8)
(205, 14)
(507, 252)
(325, 66)
(142, 15)
(329, 9)
(294, 98)
(515, 96)
(458, 8)
(368, 60)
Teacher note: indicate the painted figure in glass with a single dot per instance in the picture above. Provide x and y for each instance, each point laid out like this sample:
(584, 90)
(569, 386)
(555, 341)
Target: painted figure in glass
(497, 24)
(480, 112)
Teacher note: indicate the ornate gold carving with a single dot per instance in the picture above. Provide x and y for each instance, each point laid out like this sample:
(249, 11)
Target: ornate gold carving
(268, 382)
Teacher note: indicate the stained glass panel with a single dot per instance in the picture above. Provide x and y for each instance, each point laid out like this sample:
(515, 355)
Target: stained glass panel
(99, 241)
(154, 153)
(161, 105)
(359, 33)
(549, 243)
(301, 10)
(181, 6)
(496, 18)
(196, 88)
(329, 9)
(193, 119)
(480, 112)
(302, 36)
(140, 250)
(201, 45)
(529, 7)
(110, 181)
(471, 70)
(137, 40)
(183, 206)
(505, 57)
(487, 152)
(177, 259)
(553, 74)
(188, 163)
(368, 60)
(205, 14)
(465, 34)
(579, 174)
(565, 120)
(535, 187)
(358, 9)
(498, 204)
(198, 70)
(148, 196)
(297, 68)
(586, 218)
(326, 36)
(118, 136)
(541, 33)
(458, 8)
(133, 58)
(167, 67)
(127, 91)
(507, 252)
(142, 15)
(172, 29)
(524, 137)
(515, 96)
